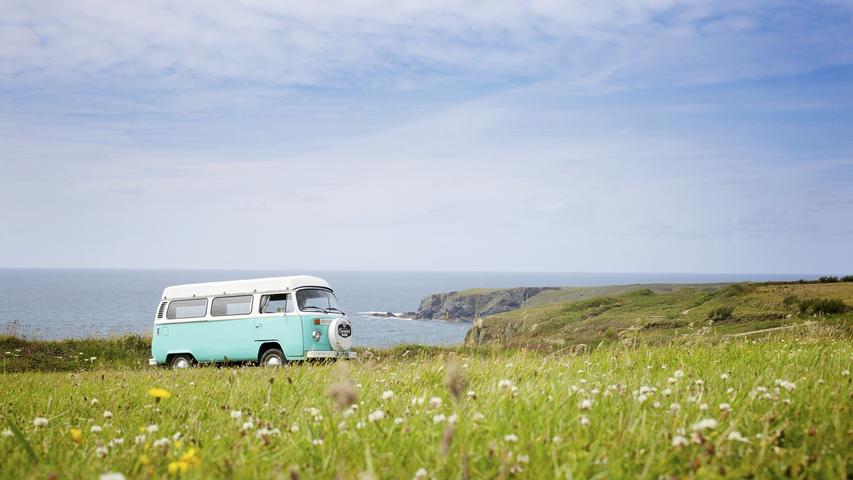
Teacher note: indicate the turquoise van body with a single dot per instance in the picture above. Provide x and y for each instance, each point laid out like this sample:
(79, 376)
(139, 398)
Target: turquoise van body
(209, 337)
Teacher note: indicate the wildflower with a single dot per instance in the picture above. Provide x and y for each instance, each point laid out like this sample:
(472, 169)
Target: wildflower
(725, 407)
(511, 438)
(724, 376)
(666, 392)
(101, 452)
(452, 418)
(375, 415)
(94, 401)
(679, 441)
(359, 425)
(786, 384)
(586, 404)
(642, 398)
(177, 436)
(116, 441)
(735, 436)
(845, 373)
(421, 474)
(40, 422)
(656, 404)
(76, 435)
(161, 443)
(434, 402)
(236, 413)
(317, 442)
(139, 439)
(179, 467)
(438, 418)
(522, 458)
(584, 420)
(557, 439)
(505, 385)
(417, 401)
(111, 476)
(699, 382)
(263, 434)
(398, 421)
(247, 425)
(96, 429)
(152, 428)
(159, 393)
(92, 359)
(387, 395)
(678, 374)
(472, 394)
(704, 424)
(144, 460)
(703, 407)
(348, 412)
(478, 417)
(6, 432)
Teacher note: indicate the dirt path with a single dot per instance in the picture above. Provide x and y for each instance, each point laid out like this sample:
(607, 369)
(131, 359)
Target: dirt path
(763, 330)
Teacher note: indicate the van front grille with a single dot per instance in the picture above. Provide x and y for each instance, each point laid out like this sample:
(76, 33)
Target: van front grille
(161, 310)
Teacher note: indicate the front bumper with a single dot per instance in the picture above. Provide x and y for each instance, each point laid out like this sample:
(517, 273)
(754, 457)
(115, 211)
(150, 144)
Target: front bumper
(152, 362)
(330, 354)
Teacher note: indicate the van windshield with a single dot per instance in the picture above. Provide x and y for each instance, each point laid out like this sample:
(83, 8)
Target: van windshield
(317, 299)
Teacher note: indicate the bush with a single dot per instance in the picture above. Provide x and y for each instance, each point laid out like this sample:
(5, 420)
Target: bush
(847, 278)
(827, 279)
(827, 306)
(790, 300)
(721, 313)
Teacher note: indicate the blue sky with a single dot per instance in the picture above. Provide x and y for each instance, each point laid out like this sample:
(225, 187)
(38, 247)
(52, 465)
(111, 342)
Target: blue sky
(650, 136)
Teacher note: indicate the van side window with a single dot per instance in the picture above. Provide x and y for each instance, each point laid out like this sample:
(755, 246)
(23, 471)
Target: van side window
(222, 306)
(276, 303)
(187, 309)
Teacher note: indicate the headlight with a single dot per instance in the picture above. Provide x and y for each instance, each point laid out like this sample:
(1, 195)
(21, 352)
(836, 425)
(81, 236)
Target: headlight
(316, 335)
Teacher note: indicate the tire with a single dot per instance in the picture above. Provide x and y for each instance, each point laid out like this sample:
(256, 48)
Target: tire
(181, 361)
(272, 357)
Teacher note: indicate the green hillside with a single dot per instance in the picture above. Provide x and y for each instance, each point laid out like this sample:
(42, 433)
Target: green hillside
(686, 314)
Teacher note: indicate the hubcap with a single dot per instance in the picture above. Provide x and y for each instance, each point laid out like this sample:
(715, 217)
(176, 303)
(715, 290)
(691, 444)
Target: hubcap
(273, 361)
(182, 363)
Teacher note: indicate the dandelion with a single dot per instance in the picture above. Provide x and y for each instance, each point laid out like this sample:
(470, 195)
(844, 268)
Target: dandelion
(101, 452)
(375, 416)
(159, 393)
(387, 395)
(111, 476)
(236, 413)
(96, 429)
(76, 435)
(438, 418)
(40, 422)
(434, 402)
(586, 404)
(679, 441)
(704, 424)
(511, 438)
(725, 407)
(584, 420)
(152, 428)
(735, 436)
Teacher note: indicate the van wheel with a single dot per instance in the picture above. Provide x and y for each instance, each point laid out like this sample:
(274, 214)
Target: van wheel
(272, 358)
(179, 362)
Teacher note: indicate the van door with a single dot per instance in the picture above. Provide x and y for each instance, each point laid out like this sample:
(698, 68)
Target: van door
(285, 327)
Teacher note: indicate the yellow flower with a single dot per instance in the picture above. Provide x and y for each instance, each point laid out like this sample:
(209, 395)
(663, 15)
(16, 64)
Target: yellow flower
(143, 459)
(159, 393)
(190, 458)
(76, 435)
(178, 444)
(178, 467)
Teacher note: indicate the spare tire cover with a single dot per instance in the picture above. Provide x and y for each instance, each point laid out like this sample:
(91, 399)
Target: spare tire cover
(340, 334)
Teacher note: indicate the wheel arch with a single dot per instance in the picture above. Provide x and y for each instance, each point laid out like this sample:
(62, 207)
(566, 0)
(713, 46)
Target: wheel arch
(266, 346)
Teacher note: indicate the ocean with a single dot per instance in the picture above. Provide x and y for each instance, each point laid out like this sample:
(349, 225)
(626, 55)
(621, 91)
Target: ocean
(73, 303)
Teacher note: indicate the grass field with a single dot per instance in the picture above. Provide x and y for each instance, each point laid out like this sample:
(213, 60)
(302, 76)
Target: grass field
(775, 407)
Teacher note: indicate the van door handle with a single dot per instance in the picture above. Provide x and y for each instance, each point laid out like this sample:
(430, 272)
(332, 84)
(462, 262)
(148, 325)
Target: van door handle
(257, 325)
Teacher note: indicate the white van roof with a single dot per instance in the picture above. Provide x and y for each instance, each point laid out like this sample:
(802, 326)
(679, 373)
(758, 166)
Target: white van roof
(234, 287)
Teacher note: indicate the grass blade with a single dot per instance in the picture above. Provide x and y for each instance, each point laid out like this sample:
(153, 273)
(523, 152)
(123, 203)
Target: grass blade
(22, 440)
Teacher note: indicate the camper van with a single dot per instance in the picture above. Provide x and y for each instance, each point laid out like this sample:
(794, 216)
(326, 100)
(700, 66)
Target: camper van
(265, 320)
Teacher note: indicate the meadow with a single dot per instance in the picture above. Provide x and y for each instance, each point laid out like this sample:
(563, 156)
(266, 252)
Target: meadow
(776, 406)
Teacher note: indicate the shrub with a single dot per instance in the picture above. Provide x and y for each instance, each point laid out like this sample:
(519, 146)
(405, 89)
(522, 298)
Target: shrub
(790, 300)
(847, 278)
(826, 306)
(827, 279)
(737, 289)
(721, 313)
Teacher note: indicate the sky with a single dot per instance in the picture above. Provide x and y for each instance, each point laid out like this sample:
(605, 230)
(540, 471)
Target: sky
(608, 136)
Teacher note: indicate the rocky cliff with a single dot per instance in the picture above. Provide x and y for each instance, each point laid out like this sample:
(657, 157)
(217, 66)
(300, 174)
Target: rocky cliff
(471, 304)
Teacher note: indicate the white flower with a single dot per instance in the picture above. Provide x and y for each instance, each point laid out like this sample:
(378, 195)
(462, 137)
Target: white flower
(452, 418)
(472, 394)
(699, 382)
(387, 395)
(94, 401)
(294, 428)
(666, 392)
(108, 414)
(375, 415)
(6, 433)
(177, 436)
(101, 452)
(786, 384)
(317, 442)
(642, 398)
(505, 385)
(434, 402)
(679, 441)
(674, 407)
(92, 359)
(161, 443)
(96, 429)
(522, 458)
(584, 420)
(417, 401)
(845, 373)
(725, 407)
(678, 374)
(139, 439)
(247, 425)
(557, 439)
(735, 436)
(704, 424)
(510, 438)
(421, 474)
(348, 412)
(116, 441)
(724, 376)
(152, 428)
(236, 413)
(359, 425)
(586, 404)
(703, 407)
(671, 380)
(438, 418)
(478, 417)
(111, 476)
(398, 421)
(40, 422)
(656, 404)
(263, 433)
